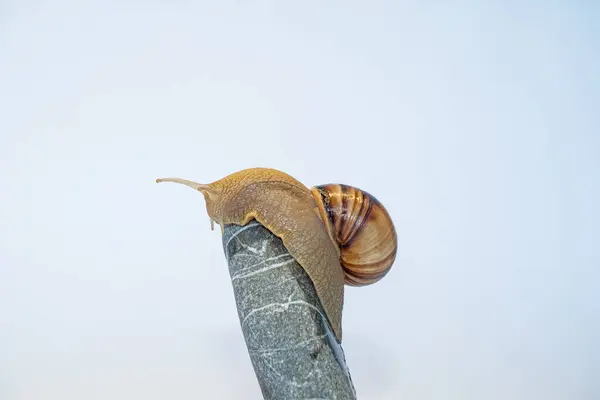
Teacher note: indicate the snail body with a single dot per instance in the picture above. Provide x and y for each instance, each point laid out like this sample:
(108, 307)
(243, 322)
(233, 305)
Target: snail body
(337, 233)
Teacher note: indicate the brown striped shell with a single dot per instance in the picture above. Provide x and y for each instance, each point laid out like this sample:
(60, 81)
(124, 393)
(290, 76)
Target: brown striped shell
(362, 230)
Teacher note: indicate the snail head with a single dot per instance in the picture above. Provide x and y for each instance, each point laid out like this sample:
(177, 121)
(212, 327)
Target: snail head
(211, 193)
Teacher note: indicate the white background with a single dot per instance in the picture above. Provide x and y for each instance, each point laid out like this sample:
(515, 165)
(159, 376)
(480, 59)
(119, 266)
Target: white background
(475, 123)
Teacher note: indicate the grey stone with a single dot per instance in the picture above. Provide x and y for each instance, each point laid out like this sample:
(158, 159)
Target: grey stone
(292, 348)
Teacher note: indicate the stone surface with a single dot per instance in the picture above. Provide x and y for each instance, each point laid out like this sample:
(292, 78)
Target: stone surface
(291, 345)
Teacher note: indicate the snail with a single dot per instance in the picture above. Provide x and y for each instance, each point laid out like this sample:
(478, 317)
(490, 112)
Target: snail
(340, 235)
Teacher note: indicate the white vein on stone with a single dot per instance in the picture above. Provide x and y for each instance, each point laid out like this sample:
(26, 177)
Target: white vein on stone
(236, 233)
(241, 271)
(285, 306)
(302, 343)
(271, 285)
(250, 248)
(261, 270)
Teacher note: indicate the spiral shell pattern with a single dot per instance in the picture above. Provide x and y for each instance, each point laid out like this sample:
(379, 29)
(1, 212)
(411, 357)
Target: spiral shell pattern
(361, 228)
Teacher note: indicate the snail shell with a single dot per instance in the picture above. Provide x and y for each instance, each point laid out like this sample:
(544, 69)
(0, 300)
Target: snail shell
(361, 228)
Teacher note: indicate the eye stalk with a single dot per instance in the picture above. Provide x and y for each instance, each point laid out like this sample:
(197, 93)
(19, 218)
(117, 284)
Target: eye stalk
(209, 192)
